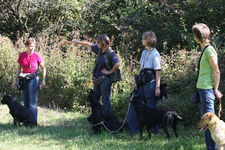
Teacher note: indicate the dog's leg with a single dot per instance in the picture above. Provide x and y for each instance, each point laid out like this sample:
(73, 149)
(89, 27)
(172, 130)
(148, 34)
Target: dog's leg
(174, 128)
(220, 147)
(165, 129)
(15, 121)
(149, 132)
(141, 127)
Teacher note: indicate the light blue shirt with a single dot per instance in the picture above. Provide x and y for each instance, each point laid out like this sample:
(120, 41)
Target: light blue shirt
(150, 59)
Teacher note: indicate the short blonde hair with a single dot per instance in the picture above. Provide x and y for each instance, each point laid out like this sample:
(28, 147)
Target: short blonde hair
(150, 37)
(30, 41)
(201, 32)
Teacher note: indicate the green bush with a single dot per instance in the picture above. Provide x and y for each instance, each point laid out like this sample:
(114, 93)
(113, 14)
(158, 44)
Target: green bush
(8, 65)
(69, 74)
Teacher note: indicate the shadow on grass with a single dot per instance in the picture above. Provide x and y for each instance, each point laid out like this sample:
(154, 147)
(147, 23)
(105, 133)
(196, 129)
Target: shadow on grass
(63, 129)
(80, 133)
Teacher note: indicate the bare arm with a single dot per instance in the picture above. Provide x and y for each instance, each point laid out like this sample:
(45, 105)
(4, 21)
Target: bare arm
(83, 43)
(17, 74)
(157, 82)
(43, 74)
(216, 75)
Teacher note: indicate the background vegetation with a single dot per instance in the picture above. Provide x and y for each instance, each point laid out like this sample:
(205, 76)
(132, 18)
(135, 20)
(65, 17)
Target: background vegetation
(54, 23)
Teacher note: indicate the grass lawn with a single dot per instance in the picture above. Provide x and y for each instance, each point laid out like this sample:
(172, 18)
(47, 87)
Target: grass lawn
(71, 131)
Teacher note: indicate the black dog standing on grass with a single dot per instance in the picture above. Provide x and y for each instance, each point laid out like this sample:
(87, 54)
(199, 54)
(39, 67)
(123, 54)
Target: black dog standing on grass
(150, 117)
(18, 111)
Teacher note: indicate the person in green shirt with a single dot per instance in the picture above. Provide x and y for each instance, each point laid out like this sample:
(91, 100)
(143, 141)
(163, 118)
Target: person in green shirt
(209, 76)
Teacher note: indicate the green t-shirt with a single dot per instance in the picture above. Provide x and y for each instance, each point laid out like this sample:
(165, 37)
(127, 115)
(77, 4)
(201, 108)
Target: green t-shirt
(205, 78)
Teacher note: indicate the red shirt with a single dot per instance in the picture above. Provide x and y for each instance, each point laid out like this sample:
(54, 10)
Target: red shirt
(29, 62)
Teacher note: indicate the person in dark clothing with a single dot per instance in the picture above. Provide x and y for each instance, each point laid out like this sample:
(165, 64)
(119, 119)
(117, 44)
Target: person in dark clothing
(101, 73)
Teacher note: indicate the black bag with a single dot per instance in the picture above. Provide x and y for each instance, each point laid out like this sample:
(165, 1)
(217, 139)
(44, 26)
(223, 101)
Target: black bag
(116, 75)
(195, 97)
(146, 75)
(97, 81)
(23, 79)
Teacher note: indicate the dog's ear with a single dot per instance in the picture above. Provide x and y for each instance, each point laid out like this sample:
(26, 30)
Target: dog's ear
(210, 116)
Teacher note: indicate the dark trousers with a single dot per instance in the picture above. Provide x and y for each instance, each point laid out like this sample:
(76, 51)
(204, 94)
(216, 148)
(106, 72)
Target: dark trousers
(104, 91)
(30, 94)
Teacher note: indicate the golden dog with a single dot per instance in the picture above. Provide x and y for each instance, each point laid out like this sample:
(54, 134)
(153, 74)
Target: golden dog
(216, 126)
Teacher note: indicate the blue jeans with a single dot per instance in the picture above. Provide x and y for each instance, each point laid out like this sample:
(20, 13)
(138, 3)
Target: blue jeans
(30, 94)
(104, 90)
(148, 93)
(207, 98)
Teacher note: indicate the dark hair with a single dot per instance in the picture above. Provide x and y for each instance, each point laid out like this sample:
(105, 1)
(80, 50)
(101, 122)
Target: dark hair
(202, 32)
(150, 37)
(104, 39)
(30, 41)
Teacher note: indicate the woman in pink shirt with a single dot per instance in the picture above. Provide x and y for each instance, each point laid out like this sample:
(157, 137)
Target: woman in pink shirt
(29, 61)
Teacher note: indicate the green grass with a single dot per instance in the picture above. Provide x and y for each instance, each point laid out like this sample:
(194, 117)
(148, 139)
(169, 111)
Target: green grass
(59, 130)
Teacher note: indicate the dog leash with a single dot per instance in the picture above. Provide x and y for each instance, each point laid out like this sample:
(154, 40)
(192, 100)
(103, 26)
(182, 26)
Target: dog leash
(102, 123)
(220, 107)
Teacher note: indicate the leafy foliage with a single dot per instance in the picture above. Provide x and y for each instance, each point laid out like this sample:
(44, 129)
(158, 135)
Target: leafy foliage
(126, 20)
(56, 22)
(69, 76)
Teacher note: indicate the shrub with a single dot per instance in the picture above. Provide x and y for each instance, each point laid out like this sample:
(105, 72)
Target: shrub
(69, 73)
(8, 65)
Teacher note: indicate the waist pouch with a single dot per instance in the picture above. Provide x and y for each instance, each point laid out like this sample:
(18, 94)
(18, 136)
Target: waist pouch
(97, 81)
(23, 79)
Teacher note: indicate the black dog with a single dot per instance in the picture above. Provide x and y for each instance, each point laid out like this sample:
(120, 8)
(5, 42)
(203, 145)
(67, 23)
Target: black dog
(101, 117)
(151, 117)
(163, 91)
(18, 112)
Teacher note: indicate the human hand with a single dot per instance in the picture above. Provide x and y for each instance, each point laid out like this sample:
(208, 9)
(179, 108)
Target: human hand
(157, 92)
(42, 84)
(14, 84)
(135, 87)
(218, 94)
(104, 71)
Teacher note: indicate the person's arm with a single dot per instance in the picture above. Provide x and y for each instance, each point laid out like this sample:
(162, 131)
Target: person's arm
(83, 43)
(43, 74)
(157, 83)
(116, 66)
(17, 74)
(216, 75)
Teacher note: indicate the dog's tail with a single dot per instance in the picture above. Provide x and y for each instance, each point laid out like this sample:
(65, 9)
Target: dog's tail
(177, 116)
